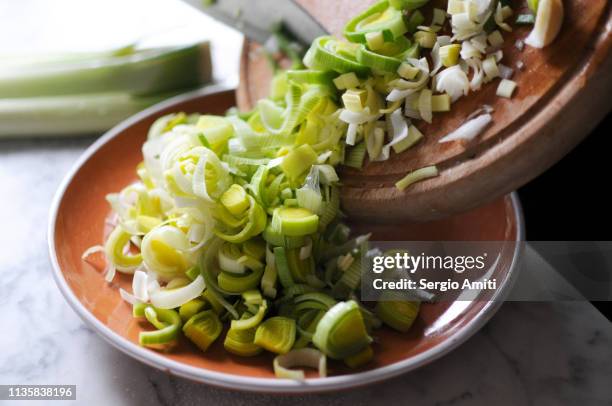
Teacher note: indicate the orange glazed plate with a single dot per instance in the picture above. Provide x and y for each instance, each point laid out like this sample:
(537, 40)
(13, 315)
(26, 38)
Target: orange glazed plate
(78, 221)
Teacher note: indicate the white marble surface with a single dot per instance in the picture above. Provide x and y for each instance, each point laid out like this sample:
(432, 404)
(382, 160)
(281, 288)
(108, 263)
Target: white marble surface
(529, 354)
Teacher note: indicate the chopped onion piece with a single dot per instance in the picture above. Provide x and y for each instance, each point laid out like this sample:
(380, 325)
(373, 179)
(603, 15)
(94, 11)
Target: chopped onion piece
(470, 129)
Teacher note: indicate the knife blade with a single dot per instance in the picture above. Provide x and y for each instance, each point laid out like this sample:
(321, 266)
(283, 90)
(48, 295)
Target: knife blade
(256, 18)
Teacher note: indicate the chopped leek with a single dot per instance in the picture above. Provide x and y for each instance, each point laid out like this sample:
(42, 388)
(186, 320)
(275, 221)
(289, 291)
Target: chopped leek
(296, 222)
(506, 88)
(341, 332)
(187, 310)
(408, 4)
(307, 357)
(276, 334)
(326, 53)
(251, 322)
(241, 342)
(168, 324)
(381, 17)
(237, 219)
(203, 329)
(399, 315)
(361, 358)
(346, 81)
(417, 176)
(298, 161)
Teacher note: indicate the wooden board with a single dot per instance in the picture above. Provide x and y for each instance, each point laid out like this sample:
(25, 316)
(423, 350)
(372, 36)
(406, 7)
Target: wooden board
(563, 92)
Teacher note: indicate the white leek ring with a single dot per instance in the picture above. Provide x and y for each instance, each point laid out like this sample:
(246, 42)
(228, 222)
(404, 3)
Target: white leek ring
(306, 357)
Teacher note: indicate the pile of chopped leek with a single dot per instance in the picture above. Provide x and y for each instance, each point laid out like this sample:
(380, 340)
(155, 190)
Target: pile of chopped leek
(234, 232)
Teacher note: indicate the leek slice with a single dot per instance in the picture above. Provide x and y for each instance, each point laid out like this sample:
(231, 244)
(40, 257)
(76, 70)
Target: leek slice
(233, 283)
(307, 357)
(229, 254)
(256, 224)
(276, 334)
(172, 298)
(320, 297)
(252, 297)
(399, 315)
(189, 309)
(217, 131)
(255, 247)
(251, 322)
(203, 329)
(235, 200)
(376, 61)
(298, 267)
(282, 265)
(114, 250)
(361, 358)
(213, 302)
(312, 77)
(356, 155)
(326, 53)
(165, 249)
(380, 17)
(276, 238)
(296, 222)
(346, 81)
(417, 176)
(298, 161)
(415, 19)
(341, 332)
(168, 320)
(268, 281)
(240, 342)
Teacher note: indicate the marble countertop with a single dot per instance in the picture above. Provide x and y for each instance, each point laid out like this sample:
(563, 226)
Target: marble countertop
(528, 354)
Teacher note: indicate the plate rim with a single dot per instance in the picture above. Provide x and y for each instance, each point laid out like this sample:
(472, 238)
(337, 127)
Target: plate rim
(244, 383)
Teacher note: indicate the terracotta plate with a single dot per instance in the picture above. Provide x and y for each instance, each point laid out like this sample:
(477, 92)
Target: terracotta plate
(77, 222)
